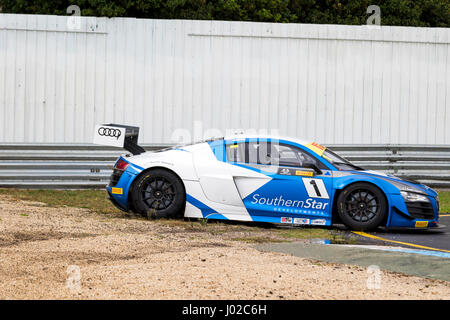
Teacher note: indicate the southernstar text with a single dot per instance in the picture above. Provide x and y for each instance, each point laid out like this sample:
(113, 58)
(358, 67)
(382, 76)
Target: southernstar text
(279, 201)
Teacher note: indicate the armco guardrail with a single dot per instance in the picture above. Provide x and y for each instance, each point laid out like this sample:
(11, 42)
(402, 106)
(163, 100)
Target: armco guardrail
(58, 166)
(89, 166)
(429, 164)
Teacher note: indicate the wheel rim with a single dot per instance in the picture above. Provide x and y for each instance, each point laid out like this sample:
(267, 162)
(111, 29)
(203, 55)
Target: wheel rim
(362, 205)
(158, 193)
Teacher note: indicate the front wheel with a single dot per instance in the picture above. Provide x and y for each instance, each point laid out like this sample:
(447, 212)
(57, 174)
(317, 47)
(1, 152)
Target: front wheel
(159, 193)
(362, 206)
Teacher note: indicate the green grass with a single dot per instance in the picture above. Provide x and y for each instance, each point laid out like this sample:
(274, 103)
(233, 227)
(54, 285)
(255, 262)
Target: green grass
(257, 240)
(334, 236)
(304, 233)
(95, 200)
(444, 197)
(292, 234)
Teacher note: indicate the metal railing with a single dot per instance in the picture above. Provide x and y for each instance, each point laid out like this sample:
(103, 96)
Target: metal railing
(429, 164)
(58, 166)
(89, 166)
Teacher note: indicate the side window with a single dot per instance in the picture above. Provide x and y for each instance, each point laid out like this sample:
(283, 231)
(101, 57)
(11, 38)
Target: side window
(259, 153)
(266, 153)
(294, 157)
(249, 152)
(235, 152)
(288, 157)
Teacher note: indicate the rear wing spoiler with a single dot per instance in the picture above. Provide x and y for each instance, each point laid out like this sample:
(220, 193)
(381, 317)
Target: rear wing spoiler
(118, 135)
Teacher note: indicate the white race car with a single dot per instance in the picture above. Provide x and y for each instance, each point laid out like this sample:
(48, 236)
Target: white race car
(261, 178)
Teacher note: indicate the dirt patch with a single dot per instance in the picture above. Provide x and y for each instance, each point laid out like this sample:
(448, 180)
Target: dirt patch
(44, 250)
(14, 238)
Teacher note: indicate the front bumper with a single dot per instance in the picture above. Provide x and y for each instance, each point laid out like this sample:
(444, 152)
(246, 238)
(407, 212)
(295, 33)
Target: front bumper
(436, 227)
(419, 215)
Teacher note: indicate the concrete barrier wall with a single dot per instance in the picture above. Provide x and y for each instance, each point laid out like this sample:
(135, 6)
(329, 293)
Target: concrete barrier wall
(333, 84)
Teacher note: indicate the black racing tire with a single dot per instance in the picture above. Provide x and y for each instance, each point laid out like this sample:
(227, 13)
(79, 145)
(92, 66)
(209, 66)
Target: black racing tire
(158, 193)
(362, 206)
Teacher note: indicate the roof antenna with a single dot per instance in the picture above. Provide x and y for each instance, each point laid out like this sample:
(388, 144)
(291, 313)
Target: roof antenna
(238, 132)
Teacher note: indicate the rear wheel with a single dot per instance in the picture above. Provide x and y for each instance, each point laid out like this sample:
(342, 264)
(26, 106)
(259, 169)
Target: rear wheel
(159, 193)
(362, 206)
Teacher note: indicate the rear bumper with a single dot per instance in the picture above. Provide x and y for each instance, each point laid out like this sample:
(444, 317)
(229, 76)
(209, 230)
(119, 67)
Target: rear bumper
(119, 186)
(116, 203)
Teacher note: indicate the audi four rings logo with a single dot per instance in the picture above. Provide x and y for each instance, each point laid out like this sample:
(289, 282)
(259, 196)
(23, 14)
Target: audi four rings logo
(109, 132)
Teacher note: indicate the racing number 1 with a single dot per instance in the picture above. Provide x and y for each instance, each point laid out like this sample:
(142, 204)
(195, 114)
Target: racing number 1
(315, 188)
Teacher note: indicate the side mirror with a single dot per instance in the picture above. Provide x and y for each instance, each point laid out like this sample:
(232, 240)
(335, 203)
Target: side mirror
(312, 165)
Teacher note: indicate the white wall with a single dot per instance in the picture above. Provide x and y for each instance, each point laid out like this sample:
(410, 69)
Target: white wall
(328, 83)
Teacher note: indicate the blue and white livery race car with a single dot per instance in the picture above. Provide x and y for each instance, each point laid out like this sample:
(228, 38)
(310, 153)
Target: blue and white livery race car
(264, 179)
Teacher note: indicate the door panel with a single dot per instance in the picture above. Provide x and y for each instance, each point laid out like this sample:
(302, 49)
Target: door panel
(295, 194)
(294, 197)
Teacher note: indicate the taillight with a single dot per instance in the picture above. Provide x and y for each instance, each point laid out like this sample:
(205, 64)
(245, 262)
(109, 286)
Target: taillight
(121, 165)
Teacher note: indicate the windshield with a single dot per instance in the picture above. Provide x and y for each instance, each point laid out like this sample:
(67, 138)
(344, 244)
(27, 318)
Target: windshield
(338, 161)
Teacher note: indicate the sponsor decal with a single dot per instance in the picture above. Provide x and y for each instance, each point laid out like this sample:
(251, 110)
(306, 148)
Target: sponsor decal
(294, 172)
(109, 135)
(299, 211)
(421, 224)
(109, 132)
(301, 221)
(284, 171)
(315, 188)
(280, 201)
(317, 148)
(286, 220)
(320, 222)
(161, 162)
(304, 173)
(117, 190)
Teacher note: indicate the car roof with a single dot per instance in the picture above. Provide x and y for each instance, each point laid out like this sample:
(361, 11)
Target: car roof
(263, 136)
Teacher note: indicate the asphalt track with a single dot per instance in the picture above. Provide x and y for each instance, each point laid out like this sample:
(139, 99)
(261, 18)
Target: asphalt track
(423, 253)
(407, 261)
(435, 240)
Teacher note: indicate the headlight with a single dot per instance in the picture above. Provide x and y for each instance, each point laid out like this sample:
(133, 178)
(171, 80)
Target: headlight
(410, 193)
(406, 187)
(412, 196)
